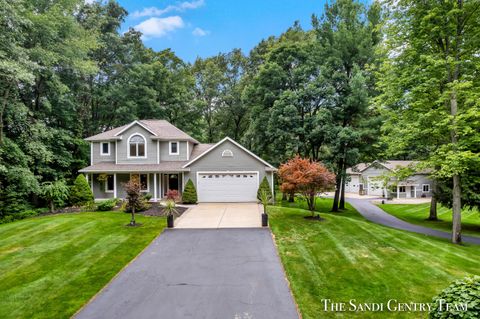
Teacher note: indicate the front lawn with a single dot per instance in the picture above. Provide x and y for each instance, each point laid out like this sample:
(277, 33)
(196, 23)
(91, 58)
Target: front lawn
(417, 214)
(50, 266)
(347, 257)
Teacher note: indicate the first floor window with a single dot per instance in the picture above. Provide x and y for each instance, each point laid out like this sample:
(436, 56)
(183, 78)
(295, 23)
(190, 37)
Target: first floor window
(426, 188)
(402, 189)
(142, 179)
(110, 183)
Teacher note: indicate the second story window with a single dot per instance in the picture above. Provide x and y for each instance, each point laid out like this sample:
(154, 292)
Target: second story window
(174, 148)
(136, 146)
(105, 148)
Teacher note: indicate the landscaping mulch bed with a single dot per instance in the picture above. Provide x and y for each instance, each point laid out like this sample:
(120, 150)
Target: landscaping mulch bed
(156, 210)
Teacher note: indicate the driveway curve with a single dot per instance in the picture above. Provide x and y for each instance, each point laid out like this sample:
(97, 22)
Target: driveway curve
(375, 214)
(199, 273)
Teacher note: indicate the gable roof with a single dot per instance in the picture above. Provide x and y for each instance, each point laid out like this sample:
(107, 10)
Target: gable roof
(236, 144)
(390, 165)
(160, 129)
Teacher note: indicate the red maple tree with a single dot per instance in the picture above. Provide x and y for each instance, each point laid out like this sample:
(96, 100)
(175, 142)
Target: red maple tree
(306, 177)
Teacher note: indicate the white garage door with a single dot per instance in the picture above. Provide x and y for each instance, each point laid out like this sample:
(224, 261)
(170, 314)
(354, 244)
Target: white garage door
(227, 187)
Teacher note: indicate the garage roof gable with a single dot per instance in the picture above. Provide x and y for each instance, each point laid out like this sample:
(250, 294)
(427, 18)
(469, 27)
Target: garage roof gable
(237, 144)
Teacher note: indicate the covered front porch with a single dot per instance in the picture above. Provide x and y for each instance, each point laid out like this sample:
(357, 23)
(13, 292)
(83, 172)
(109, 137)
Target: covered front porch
(155, 185)
(406, 191)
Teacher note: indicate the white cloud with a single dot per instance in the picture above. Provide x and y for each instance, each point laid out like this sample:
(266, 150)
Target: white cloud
(199, 32)
(154, 11)
(158, 27)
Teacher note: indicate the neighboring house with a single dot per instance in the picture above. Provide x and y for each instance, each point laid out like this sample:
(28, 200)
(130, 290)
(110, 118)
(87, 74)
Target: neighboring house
(367, 179)
(164, 157)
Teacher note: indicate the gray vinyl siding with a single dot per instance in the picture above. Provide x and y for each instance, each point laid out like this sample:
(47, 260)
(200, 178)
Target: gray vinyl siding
(97, 157)
(99, 188)
(241, 161)
(123, 148)
(165, 151)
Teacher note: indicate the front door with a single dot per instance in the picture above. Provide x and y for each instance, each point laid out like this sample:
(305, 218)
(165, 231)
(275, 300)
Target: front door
(173, 181)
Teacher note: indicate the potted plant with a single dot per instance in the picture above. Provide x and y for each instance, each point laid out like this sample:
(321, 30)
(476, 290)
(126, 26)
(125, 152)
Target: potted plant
(170, 210)
(265, 200)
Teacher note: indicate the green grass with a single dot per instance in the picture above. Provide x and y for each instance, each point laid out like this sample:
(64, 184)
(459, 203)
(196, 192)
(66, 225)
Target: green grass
(346, 257)
(51, 266)
(417, 214)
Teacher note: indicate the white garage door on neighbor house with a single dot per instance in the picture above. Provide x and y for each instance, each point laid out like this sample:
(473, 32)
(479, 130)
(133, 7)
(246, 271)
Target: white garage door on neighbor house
(227, 187)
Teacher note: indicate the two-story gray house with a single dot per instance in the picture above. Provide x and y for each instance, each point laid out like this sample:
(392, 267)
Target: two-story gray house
(164, 157)
(368, 179)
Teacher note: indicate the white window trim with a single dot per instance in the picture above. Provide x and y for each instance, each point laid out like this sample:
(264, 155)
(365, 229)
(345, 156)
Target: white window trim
(170, 148)
(128, 146)
(428, 188)
(101, 149)
(227, 153)
(148, 181)
(106, 184)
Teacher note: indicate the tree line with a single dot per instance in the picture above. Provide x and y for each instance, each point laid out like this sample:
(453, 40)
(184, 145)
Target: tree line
(362, 83)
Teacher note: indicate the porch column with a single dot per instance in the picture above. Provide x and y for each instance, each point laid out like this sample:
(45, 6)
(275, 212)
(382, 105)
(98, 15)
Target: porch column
(91, 183)
(414, 191)
(155, 186)
(160, 177)
(115, 185)
(398, 191)
(183, 179)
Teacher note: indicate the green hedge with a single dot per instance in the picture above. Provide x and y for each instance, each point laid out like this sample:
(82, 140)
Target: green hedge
(107, 205)
(80, 193)
(264, 186)
(190, 193)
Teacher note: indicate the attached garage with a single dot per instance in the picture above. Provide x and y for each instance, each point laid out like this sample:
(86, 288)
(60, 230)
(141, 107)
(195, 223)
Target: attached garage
(227, 187)
(228, 172)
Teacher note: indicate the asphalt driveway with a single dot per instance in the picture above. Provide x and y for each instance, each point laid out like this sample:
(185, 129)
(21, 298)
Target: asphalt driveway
(221, 215)
(377, 215)
(200, 273)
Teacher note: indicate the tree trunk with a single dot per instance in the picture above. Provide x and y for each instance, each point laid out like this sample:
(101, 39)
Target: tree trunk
(291, 197)
(342, 188)
(433, 203)
(284, 196)
(336, 197)
(52, 207)
(132, 221)
(457, 192)
(311, 204)
(338, 187)
(6, 93)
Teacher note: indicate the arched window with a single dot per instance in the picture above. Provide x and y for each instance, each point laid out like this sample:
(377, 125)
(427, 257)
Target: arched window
(227, 153)
(136, 146)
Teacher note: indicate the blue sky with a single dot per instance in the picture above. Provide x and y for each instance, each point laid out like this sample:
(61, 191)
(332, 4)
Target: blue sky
(204, 28)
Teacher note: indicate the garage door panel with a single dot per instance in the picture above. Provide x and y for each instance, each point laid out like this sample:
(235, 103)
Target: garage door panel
(227, 187)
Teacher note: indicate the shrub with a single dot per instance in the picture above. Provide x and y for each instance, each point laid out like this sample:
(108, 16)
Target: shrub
(107, 205)
(18, 216)
(147, 196)
(172, 194)
(464, 291)
(55, 193)
(190, 193)
(81, 194)
(263, 186)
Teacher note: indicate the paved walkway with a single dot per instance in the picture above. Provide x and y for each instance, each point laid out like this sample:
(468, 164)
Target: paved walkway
(377, 215)
(200, 273)
(221, 215)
